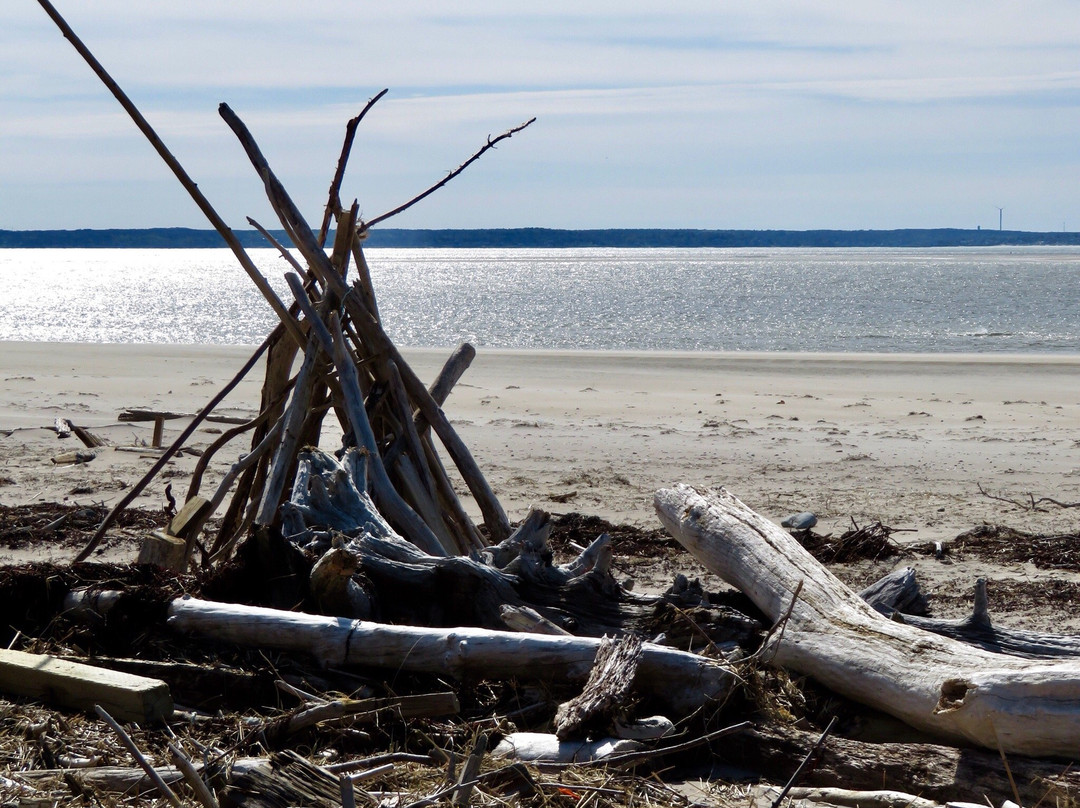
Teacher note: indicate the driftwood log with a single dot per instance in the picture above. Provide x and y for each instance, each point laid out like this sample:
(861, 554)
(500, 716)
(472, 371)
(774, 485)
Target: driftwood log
(682, 680)
(950, 689)
(977, 629)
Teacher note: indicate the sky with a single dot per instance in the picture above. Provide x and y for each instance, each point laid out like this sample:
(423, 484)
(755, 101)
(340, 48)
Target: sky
(765, 114)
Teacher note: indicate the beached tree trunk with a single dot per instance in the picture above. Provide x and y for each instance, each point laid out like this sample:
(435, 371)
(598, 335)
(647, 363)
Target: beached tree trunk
(682, 680)
(933, 683)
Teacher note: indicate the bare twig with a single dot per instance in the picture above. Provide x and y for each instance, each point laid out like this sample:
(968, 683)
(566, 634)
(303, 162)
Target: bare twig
(489, 145)
(140, 758)
(779, 626)
(1040, 500)
(168, 454)
(1031, 505)
(798, 772)
(1005, 763)
(191, 776)
(1021, 505)
(281, 248)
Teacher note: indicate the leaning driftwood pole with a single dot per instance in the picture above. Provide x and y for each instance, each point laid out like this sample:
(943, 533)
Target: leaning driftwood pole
(369, 328)
(936, 684)
(177, 169)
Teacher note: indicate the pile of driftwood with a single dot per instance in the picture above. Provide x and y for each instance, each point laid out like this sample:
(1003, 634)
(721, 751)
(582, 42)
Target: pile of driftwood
(364, 558)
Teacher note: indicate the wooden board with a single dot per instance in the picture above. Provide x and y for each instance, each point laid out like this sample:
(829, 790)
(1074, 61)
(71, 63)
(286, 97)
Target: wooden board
(125, 696)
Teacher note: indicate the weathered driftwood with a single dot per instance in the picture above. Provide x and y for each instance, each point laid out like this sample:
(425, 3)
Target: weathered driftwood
(898, 591)
(681, 680)
(330, 496)
(976, 629)
(605, 696)
(898, 596)
(941, 773)
(368, 328)
(365, 711)
(542, 747)
(846, 798)
(936, 684)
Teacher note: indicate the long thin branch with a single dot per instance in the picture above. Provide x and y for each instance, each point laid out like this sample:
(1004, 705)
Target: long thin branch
(168, 454)
(333, 201)
(489, 145)
(140, 758)
(281, 248)
(177, 169)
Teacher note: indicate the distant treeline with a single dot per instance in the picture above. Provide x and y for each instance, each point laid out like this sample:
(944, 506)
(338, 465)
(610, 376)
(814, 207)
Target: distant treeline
(543, 237)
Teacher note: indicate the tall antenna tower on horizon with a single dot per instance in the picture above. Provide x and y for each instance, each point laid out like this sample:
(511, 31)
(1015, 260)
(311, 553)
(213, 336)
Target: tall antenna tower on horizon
(1000, 210)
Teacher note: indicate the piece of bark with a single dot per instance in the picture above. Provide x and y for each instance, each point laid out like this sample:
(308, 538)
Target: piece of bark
(80, 687)
(682, 681)
(951, 690)
(605, 697)
(288, 780)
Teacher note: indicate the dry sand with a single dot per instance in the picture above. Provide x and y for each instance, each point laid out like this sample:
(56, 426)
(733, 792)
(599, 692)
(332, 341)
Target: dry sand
(902, 439)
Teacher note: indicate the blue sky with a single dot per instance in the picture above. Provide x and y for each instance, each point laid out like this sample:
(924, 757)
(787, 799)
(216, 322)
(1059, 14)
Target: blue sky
(784, 114)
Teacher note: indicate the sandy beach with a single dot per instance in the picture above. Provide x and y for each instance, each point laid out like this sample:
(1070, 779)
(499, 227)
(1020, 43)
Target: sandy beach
(903, 439)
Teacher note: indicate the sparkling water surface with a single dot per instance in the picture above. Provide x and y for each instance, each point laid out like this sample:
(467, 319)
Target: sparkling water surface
(991, 299)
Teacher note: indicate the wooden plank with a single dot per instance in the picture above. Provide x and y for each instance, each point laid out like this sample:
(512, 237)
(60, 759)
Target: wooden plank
(89, 439)
(150, 415)
(189, 519)
(167, 552)
(71, 684)
(74, 458)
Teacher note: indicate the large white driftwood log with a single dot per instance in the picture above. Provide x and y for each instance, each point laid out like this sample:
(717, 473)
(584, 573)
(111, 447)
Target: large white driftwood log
(936, 684)
(681, 680)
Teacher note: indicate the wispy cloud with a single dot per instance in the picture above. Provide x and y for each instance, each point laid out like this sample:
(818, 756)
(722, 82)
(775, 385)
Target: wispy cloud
(698, 113)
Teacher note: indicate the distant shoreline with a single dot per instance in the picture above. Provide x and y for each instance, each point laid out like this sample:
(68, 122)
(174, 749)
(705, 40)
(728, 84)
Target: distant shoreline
(176, 237)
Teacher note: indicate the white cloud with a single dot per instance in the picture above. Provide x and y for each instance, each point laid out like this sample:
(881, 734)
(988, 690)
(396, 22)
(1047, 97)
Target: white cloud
(688, 102)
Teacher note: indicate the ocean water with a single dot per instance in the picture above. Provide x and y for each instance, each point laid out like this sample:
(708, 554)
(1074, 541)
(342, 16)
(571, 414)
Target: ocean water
(940, 300)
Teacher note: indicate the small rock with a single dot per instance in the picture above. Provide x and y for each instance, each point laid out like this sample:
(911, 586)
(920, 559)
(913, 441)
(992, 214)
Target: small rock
(800, 521)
